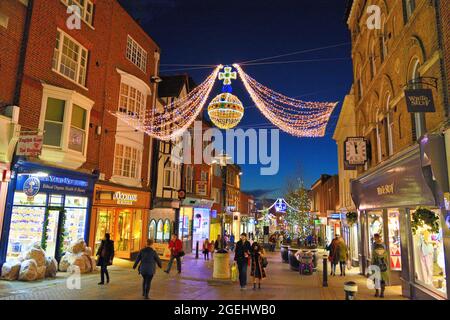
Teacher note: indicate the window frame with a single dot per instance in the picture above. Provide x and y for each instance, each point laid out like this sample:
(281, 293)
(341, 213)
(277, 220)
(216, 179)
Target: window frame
(135, 160)
(60, 35)
(132, 51)
(89, 22)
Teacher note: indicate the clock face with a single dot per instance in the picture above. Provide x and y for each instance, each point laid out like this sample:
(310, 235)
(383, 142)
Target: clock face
(356, 151)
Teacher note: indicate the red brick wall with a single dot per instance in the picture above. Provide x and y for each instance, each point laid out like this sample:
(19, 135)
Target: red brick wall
(106, 42)
(122, 26)
(10, 44)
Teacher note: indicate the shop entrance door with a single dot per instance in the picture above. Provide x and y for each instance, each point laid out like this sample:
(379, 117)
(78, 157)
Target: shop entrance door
(123, 233)
(52, 232)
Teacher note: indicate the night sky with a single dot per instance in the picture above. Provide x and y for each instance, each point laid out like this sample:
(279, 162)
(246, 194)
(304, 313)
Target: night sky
(215, 32)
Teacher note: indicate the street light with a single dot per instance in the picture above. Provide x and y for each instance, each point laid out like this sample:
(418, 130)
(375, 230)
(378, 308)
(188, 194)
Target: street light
(222, 160)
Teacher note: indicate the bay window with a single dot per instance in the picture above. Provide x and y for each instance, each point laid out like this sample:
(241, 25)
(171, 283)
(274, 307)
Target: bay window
(132, 101)
(64, 121)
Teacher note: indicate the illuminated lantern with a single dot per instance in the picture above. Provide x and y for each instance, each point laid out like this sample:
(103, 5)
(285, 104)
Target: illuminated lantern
(226, 111)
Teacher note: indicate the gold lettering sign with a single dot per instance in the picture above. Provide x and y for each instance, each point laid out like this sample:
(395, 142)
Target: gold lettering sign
(386, 189)
(420, 100)
(125, 198)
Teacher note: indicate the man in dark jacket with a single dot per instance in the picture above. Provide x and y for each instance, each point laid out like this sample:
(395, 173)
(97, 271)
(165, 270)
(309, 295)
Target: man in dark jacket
(105, 254)
(175, 247)
(241, 257)
(219, 244)
(148, 258)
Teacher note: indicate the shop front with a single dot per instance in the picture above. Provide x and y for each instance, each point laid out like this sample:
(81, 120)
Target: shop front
(46, 205)
(161, 226)
(195, 222)
(397, 200)
(247, 225)
(123, 213)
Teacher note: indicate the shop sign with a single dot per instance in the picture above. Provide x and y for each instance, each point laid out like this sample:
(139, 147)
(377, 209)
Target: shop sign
(420, 100)
(32, 184)
(125, 198)
(30, 146)
(163, 250)
(386, 189)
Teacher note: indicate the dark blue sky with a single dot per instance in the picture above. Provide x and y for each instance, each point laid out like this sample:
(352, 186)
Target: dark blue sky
(214, 32)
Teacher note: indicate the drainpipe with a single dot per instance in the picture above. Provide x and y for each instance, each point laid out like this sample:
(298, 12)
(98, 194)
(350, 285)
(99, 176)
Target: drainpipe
(23, 54)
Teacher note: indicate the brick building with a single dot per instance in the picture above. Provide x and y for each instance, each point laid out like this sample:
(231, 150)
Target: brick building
(93, 171)
(406, 166)
(324, 197)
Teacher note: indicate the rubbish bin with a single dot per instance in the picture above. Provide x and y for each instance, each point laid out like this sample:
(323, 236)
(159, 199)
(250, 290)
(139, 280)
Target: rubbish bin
(350, 289)
(284, 253)
(221, 268)
(293, 262)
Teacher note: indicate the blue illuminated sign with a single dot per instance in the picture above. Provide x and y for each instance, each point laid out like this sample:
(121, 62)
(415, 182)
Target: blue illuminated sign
(32, 184)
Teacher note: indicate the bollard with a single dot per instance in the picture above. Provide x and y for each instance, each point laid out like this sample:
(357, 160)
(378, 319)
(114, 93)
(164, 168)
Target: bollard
(350, 289)
(325, 271)
(196, 251)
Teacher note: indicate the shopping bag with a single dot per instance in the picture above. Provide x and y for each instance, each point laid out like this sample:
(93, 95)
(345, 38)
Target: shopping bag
(234, 272)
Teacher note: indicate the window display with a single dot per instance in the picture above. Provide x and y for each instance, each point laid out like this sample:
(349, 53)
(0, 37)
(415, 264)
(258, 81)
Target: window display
(123, 231)
(28, 218)
(167, 230)
(27, 222)
(159, 231)
(152, 230)
(375, 226)
(137, 228)
(429, 259)
(394, 240)
(105, 224)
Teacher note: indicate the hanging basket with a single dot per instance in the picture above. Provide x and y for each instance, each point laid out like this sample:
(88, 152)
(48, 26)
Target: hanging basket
(424, 217)
(352, 218)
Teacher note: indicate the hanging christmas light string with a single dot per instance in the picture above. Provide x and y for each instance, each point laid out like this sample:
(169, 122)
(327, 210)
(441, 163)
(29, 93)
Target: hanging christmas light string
(296, 117)
(175, 118)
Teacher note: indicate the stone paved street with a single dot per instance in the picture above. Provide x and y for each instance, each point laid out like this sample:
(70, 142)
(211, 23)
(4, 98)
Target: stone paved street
(192, 284)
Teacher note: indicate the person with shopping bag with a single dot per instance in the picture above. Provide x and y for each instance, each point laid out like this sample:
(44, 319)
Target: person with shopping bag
(241, 257)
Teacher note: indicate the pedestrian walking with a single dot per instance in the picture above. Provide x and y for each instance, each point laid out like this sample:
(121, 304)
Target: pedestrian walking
(176, 252)
(333, 256)
(257, 266)
(147, 261)
(219, 244)
(241, 256)
(232, 242)
(380, 259)
(211, 248)
(342, 254)
(105, 254)
(206, 249)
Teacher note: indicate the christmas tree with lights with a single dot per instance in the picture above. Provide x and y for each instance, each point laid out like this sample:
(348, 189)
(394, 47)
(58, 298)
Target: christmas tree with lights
(298, 213)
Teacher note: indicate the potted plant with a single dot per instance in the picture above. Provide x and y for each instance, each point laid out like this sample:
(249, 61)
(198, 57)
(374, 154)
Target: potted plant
(424, 217)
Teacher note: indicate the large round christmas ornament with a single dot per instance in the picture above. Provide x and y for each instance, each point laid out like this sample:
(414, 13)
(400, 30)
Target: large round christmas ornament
(225, 111)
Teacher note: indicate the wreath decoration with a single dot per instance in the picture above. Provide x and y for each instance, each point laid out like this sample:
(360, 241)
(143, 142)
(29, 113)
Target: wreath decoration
(352, 217)
(425, 217)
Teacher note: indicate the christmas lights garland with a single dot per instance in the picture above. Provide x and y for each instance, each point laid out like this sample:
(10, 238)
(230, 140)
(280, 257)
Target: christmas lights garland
(296, 117)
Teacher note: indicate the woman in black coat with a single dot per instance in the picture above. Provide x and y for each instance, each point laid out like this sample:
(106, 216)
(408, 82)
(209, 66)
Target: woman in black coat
(257, 271)
(105, 255)
(148, 258)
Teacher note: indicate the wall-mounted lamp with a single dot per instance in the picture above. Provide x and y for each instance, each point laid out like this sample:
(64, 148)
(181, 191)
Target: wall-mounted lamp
(155, 79)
